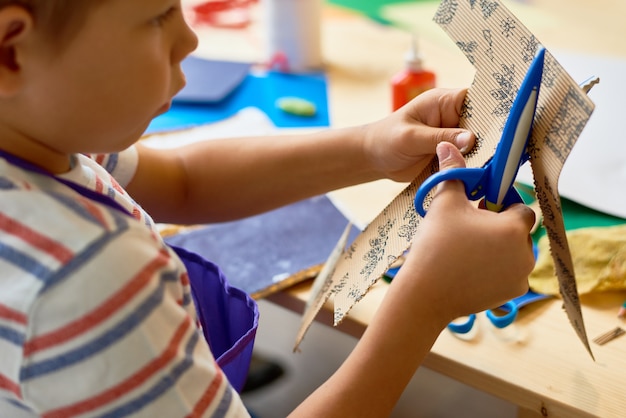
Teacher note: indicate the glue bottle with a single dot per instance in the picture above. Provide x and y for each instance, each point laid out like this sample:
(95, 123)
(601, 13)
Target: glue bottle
(411, 81)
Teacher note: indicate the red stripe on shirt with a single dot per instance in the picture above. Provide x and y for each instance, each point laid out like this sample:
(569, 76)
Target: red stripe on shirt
(9, 385)
(99, 158)
(129, 384)
(136, 213)
(116, 185)
(184, 279)
(99, 185)
(12, 315)
(207, 398)
(32, 237)
(93, 210)
(102, 312)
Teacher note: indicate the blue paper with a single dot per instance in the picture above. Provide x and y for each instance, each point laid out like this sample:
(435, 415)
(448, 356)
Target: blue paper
(257, 90)
(257, 252)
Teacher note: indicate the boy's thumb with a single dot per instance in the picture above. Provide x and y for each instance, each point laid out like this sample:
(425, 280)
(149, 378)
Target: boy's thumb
(449, 156)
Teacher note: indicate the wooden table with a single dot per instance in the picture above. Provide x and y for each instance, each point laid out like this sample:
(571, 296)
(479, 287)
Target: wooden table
(539, 365)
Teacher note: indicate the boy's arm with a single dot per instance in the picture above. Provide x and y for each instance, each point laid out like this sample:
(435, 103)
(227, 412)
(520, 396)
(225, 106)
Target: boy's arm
(450, 272)
(227, 179)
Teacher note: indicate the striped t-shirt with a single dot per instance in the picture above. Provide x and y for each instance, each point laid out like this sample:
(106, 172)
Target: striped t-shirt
(96, 317)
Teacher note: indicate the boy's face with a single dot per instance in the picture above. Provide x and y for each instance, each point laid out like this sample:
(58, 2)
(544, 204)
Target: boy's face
(100, 92)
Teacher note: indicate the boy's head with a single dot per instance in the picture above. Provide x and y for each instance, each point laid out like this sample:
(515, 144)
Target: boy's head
(86, 76)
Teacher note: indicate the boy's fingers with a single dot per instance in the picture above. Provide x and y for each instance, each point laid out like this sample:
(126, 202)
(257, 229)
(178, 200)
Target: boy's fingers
(449, 157)
(440, 120)
(451, 106)
(461, 138)
(520, 210)
(442, 107)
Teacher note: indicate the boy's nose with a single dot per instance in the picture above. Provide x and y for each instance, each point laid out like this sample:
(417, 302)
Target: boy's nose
(187, 43)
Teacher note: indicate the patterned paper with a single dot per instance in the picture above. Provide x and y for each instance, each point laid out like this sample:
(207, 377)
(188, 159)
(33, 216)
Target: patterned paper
(501, 49)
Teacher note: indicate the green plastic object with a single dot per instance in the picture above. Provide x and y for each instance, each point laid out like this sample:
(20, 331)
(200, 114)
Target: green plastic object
(296, 106)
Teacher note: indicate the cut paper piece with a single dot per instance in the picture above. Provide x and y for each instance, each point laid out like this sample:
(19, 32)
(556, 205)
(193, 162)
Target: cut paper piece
(501, 49)
(317, 298)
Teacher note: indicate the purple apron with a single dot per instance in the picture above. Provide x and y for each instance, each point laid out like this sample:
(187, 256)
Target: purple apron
(229, 317)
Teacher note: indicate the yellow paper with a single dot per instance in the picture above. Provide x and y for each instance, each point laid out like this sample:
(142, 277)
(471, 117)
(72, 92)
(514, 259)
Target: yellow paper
(599, 256)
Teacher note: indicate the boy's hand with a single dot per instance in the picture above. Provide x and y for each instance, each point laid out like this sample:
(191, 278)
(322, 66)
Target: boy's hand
(477, 259)
(402, 144)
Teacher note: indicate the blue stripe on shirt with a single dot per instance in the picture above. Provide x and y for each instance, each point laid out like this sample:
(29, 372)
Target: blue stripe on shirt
(12, 336)
(75, 206)
(19, 405)
(81, 259)
(6, 184)
(186, 299)
(24, 262)
(120, 218)
(92, 347)
(111, 192)
(111, 161)
(224, 404)
(69, 202)
(163, 385)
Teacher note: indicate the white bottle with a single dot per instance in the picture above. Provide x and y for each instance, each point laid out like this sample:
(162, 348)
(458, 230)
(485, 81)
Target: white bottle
(293, 29)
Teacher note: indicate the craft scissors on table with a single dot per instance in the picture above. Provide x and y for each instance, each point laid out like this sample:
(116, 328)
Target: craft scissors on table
(494, 181)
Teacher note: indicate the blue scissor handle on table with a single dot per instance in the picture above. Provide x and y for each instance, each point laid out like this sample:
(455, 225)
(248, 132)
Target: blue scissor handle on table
(499, 321)
(494, 181)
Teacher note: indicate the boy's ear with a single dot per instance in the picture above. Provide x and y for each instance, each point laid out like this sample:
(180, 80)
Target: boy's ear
(15, 24)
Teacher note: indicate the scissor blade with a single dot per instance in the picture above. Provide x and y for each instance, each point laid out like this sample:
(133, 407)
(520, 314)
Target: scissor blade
(511, 150)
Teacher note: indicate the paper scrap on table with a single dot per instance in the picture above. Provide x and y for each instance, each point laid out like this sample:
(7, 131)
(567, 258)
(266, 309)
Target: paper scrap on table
(320, 285)
(599, 255)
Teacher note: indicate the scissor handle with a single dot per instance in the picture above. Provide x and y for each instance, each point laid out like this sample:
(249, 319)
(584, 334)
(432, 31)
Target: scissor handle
(503, 321)
(464, 327)
(511, 197)
(499, 321)
(471, 178)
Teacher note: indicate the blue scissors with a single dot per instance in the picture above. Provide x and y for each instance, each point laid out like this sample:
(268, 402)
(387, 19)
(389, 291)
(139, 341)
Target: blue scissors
(494, 181)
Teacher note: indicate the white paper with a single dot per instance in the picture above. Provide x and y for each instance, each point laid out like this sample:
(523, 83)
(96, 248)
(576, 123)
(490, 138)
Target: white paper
(250, 121)
(595, 172)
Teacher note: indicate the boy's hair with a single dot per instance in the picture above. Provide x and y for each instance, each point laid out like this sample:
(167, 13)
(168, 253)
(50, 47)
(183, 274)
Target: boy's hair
(57, 19)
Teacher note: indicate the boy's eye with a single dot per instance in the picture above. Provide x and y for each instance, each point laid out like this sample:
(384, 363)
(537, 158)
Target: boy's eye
(162, 18)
